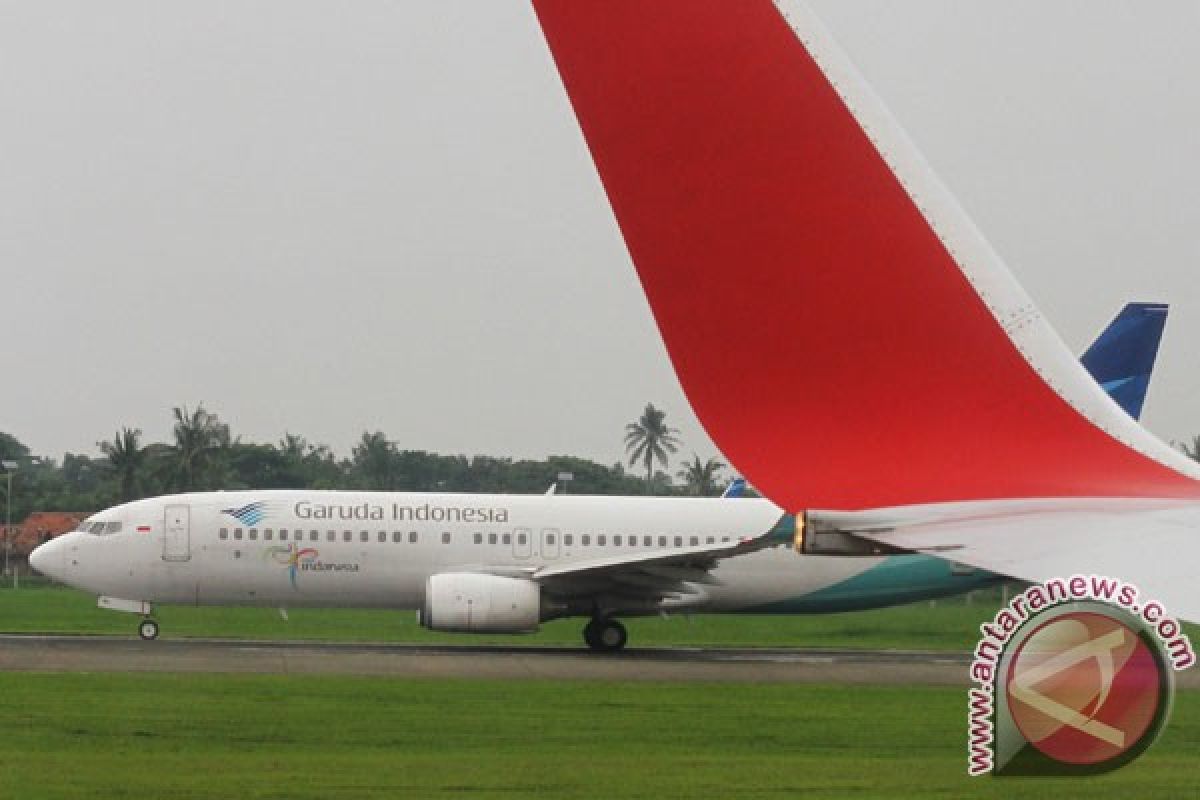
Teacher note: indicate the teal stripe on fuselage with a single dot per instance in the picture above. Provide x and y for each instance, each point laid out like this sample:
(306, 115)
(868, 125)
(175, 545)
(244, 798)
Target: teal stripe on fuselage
(899, 579)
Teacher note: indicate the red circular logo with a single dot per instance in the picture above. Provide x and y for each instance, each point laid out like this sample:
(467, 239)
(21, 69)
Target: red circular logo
(1084, 688)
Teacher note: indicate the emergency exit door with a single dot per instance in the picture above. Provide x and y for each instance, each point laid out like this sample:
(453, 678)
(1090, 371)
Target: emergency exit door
(177, 545)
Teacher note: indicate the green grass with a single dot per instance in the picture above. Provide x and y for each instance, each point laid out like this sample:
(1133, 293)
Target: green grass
(944, 625)
(169, 736)
(949, 624)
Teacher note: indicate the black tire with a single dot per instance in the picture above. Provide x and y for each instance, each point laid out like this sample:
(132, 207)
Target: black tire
(148, 630)
(589, 635)
(605, 635)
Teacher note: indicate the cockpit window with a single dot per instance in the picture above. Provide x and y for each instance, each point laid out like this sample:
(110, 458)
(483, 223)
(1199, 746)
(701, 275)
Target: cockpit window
(99, 527)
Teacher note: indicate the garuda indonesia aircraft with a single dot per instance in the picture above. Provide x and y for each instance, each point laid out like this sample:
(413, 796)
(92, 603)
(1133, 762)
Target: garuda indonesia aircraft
(907, 381)
(505, 563)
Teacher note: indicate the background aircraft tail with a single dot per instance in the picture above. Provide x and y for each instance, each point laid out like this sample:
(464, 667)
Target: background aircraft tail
(1122, 359)
(885, 354)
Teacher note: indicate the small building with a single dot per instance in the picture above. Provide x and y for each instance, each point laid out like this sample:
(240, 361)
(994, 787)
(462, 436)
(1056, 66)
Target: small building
(41, 526)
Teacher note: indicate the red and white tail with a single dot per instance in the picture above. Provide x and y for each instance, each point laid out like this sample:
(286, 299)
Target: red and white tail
(885, 354)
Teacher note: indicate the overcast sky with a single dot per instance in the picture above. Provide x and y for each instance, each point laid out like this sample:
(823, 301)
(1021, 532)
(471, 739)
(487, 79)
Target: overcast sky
(327, 218)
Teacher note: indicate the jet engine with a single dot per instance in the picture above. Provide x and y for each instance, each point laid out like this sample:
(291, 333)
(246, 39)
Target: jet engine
(479, 603)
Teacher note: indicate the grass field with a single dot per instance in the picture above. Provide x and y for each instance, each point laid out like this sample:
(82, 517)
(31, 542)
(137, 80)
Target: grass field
(155, 736)
(945, 625)
(201, 736)
(950, 624)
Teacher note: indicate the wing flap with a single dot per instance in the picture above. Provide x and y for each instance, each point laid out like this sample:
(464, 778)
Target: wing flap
(656, 576)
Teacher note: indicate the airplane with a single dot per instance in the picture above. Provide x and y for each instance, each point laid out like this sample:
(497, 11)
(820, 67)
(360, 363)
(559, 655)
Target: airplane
(501, 563)
(471, 570)
(917, 399)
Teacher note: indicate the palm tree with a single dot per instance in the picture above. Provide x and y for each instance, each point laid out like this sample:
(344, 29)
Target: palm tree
(1192, 451)
(649, 440)
(199, 438)
(699, 477)
(127, 458)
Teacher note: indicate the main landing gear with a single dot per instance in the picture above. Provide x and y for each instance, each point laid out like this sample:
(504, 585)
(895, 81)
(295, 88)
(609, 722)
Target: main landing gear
(148, 629)
(605, 635)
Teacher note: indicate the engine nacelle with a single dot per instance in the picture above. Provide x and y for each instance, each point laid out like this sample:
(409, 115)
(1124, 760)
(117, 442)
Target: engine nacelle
(477, 603)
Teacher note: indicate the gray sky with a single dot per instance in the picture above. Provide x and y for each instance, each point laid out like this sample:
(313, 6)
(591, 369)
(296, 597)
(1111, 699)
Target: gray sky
(330, 217)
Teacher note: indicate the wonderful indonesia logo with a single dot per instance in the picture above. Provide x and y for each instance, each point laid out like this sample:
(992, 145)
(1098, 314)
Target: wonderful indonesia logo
(1075, 676)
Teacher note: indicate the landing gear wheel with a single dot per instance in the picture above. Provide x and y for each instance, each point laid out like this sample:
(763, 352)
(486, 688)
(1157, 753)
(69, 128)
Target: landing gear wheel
(605, 635)
(148, 629)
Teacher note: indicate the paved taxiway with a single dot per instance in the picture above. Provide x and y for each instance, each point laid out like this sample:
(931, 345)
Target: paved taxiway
(111, 654)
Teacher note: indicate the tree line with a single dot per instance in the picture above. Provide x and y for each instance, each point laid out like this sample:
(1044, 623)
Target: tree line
(204, 454)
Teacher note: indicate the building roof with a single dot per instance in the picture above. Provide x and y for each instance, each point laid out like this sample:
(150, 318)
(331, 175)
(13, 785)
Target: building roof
(41, 526)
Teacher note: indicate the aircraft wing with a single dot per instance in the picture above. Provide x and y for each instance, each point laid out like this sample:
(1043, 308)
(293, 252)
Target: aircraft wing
(667, 579)
(1041, 539)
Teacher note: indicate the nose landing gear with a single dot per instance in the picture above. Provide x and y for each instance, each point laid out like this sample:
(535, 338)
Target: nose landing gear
(148, 629)
(605, 635)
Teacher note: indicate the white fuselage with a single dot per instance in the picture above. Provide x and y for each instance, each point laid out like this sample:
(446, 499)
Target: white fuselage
(372, 549)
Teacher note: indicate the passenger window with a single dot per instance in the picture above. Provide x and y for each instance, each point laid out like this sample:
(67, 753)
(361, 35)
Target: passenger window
(331, 536)
(283, 535)
(478, 538)
(224, 533)
(662, 541)
(522, 538)
(268, 535)
(648, 541)
(397, 537)
(549, 538)
(568, 539)
(382, 536)
(364, 536)
(695, 541)
(445, 537)
(253, 533)
(412, 537)
(710, 540)
(587, 540)
(312, 536)
(506, 538)
(724, 538)
(237, 533)
(492, 538)
(679, 541)
(347, 536)
(601, 539)
(617, 540)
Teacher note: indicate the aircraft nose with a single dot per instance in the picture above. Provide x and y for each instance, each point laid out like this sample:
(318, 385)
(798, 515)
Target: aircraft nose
(49, 559)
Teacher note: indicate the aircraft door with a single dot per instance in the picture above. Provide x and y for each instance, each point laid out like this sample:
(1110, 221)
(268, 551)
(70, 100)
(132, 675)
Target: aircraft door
(550, 542)
(522, 542)
(177, 545)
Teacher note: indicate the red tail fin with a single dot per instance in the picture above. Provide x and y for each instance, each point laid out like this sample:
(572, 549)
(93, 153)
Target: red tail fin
(880, 359)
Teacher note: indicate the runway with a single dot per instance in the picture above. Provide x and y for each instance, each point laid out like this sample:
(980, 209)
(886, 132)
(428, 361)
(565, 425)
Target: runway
(113, 654)
(800, 665)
